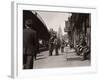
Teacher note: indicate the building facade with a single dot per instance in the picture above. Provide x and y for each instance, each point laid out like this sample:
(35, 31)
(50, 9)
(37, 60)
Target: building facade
(78, 28)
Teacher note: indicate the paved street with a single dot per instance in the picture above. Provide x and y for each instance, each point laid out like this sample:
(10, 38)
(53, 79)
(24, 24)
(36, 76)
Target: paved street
(66, 59)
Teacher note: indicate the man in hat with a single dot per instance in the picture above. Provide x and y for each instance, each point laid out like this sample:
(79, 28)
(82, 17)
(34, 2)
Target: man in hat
(29, 44)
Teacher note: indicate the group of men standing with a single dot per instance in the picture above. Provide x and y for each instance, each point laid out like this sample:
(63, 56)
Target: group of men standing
(55, 44)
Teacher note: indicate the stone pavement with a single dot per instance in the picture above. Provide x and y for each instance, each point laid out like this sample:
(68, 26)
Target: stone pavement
(66, 59)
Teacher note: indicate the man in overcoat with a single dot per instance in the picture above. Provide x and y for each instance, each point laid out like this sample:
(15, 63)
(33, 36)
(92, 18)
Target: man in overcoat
(29, 45)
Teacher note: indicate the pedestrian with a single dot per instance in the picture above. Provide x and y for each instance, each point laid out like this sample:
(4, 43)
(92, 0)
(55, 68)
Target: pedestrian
(29, 45)
(86, 53)
(56, 45)
(59, 43)
(62, 45)
(51, 45)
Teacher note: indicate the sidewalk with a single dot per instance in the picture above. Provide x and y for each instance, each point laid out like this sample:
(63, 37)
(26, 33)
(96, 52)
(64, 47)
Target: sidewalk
(74, 60)
(66, 59)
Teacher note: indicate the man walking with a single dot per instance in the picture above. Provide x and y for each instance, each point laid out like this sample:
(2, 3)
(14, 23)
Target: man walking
(51, 45)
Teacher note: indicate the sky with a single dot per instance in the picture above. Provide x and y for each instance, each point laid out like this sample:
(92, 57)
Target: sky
(54, 19)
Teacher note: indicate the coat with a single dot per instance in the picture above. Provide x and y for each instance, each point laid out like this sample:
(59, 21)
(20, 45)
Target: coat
(29, 42)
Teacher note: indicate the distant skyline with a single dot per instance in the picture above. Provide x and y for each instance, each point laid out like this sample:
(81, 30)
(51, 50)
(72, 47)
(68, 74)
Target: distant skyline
(54, 19)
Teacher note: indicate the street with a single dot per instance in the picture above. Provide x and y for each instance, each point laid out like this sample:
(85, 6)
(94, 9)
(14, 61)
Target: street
(66, 59)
